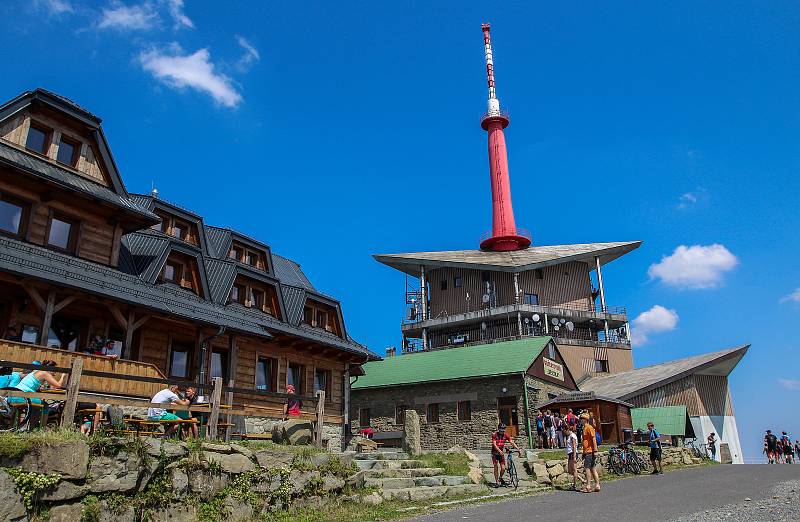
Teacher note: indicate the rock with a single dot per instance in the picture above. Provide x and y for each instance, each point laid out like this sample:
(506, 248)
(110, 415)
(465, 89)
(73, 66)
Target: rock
(11, 506)
(64, 490)
(475, 475)
(541, 474)
(687, 460)
(118, 473)
(241, 449)
(356, 481)
(373, 499)
(551, 463)
(171, 450)
(234, 463)
(269, 459)
(218, 448)
(176, 513)
(293, 431)
(332, 484)
(564, 478)
(320, 459)
(150, 467)
(125, 513)
(69, 459)
(237, 511)
(556, 470)
(207, 484)
(66, 512)
(309, 503)
(180, 481)
(300, 480)
(347, 458)
(412, 439)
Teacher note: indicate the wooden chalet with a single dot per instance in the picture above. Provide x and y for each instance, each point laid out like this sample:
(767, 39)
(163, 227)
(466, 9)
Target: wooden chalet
(81, 258)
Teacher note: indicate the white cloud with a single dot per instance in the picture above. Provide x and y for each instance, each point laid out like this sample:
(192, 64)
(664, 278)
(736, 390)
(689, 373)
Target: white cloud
(55, 7)
(195, 71)
(176, 12)
(128, 18)
(789, 384)
(695, 266)
(686, 200)
(250, 55)
(656, 320)
(794, 296)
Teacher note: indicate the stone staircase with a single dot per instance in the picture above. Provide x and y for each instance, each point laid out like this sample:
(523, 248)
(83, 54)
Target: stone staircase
(397, 476)
(525, 480)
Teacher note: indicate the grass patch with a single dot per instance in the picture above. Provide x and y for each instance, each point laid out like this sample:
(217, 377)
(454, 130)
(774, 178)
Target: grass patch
(255, 445)
(14, 445)
(452, 463)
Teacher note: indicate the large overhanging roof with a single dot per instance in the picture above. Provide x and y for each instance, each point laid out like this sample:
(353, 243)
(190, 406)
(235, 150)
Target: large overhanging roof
(517, 261)
(629, 384)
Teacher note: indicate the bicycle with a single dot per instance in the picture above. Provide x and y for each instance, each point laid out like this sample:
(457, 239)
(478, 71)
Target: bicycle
(699, 451)
(511, 469)
(624, 458)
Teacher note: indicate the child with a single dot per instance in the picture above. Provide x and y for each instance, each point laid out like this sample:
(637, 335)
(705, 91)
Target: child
(572, 456)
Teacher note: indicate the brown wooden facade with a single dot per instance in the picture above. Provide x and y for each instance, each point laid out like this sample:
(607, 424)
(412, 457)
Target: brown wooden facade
(76, 207)
(612, 416)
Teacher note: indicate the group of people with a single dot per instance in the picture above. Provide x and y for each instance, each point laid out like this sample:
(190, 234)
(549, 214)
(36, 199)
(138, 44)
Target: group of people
(780, 450)
(551, 428)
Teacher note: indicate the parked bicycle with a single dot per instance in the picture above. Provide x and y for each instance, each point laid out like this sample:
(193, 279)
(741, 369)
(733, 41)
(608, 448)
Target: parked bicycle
(699, 450)
(624, 459)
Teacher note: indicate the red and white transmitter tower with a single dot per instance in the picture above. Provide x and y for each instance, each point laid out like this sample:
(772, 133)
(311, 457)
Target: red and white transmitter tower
(505, 237)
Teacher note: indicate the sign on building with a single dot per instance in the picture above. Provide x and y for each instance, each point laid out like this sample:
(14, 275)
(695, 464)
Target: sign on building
(553, 369)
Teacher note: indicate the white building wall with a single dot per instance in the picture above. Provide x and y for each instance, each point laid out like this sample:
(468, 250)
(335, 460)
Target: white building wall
(724, 426)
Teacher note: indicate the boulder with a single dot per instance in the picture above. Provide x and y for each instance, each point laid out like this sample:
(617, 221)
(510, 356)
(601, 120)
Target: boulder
(475, 475)
(207, 484)
(300, 480)
(64, 490)
(540, 472)
(551, 463)
(242, 450)
(320, 459)
(293, 431)
(269, 459)
(66, 512)
(332, 484)
(118, 473)
(173, 450)
(556, 470)
(234, 463)
(237, 511)
(373, 499)
(357, 481)
(11, 506)
(315, 503)
(412, 438)
(180, 481)
(218, 448)
(126, 513)
(70, 459)
(176, 513)
(687, 460)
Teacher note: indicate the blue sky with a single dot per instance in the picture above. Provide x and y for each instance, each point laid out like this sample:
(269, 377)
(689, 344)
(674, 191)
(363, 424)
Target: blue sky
(335, 130)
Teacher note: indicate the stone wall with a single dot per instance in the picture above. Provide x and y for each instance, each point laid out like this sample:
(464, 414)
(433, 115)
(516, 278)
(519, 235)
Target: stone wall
(449, 431)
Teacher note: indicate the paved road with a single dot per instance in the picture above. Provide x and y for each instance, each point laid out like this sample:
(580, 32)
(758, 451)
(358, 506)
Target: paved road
(651, 498)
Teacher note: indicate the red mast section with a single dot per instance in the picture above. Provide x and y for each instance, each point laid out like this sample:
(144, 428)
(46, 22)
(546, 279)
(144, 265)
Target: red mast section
(505, 236)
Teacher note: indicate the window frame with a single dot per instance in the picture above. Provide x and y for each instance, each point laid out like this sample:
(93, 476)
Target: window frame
(461, 407)
(363, 413)
(24, 218)
(328, 382)
(48, 137)
(299, 387)
(179, 270)
(76, 150)
(400, 414)
(603, 365)
(458, 282)
(184, 347)
(527, 301)
(432, 413)
(74, 231)
(257, 294)
(272, 378)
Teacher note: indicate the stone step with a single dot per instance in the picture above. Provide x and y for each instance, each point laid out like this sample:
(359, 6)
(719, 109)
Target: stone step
(403, 473)
(418, 482)
(381, 455)
(433, 492)
(388, 464)
(441, 480)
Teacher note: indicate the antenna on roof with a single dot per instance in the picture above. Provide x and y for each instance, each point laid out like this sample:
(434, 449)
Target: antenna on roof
(154, 190)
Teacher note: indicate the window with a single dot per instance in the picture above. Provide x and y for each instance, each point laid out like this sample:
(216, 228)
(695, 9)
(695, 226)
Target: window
(457, 282)
(464, 410)
(432, 413)
(238, 293)
(443, 284)
(251, 258)
(265, 374)
(257, 299)
(13, 216)
(61, 233)
(30, 334)
(538, 274)
(179, 360)
(322, 381)
(233, 254)
(219, 364)
(400, 414)
(179, 229)
(363, 417)
(173, 272)
(530, 299)
(295, 377)
(68, 152)
(600, 366)
(551, 350)
(322, 319)
(38, 138)
(308, 315)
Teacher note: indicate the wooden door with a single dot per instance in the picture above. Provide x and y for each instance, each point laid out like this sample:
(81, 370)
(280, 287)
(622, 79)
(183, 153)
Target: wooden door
(507, 414)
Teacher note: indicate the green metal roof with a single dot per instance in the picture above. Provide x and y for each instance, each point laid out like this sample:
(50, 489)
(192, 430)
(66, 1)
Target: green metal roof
(669, 420)
(480, 360)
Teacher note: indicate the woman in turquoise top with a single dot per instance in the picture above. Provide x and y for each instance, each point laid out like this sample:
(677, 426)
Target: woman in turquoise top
(32, 382)
(9, 378)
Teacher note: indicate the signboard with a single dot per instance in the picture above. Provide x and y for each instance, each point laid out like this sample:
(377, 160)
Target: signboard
(553, 369)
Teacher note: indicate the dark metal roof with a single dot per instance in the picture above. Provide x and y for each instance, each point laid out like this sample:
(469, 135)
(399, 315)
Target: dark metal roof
(220, 279)
(34, 261)
(219, 241)
(293, 298)
(290, 274)
(64, 101)
(56, 175)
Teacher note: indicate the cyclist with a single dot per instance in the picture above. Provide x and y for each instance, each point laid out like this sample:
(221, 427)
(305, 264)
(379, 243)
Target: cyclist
(499, 441)
(655, 449)
(771, 445)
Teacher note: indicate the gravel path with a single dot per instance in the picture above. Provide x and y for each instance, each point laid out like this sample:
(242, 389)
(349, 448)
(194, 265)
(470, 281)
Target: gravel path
(782, 503)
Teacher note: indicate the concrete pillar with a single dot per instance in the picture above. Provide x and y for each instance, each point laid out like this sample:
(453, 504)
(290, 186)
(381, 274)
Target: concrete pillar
(519, 323)
(423, 292)
(516, 288)
(424, 338)
(546, 324)
(602, 292)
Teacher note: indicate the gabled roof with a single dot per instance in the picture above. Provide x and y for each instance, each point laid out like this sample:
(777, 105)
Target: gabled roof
(627, 385)
(482, 360)
(669, 420)
(290, 274)
(517, 261)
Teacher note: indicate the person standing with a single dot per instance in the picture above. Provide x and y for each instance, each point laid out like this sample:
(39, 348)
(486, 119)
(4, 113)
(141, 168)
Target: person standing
(589, 456)
(550, 432)
(559, 422)
(572, 456)
(293, 404)
(712, 445)
(655, 449)
(771, 447)
(540, 428)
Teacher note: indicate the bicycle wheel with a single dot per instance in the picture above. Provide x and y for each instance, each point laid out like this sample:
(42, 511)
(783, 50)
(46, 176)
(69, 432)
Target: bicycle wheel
(644, 465)
(512, 475)
(633, 464)
(617, 464)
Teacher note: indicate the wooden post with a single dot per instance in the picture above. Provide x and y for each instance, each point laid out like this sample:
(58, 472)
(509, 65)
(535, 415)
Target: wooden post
(213, 418)
(320, 415)
(48, 318)
(228, 416)
(68, 415)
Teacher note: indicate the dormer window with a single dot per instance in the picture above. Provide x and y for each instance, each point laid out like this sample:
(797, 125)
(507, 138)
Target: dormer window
(237, 294)
(173, 272)
(257, 299)
(179, 229)
(38, 138)
(68, 151)
(176, 228)
(248, 256)
(234, 254)
(323, 316)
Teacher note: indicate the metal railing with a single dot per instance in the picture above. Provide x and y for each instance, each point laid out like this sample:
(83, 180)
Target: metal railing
(524, 232)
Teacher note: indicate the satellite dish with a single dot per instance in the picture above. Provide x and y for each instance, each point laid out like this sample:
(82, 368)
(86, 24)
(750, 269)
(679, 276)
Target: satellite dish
(570, 326)
(535, 318)
(554, 321)
(485, 298)
(563, 321)
(556, 328)
(527, 321)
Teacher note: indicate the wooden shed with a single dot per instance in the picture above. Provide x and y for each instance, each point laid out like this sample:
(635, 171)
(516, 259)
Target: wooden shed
(613, 415)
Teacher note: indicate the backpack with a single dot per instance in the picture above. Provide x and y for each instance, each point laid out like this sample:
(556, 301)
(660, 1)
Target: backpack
(598, 438)
(548, 422)
(539, 423)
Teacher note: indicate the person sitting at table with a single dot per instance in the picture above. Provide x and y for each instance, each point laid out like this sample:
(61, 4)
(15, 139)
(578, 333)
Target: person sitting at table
(166, 396)
(88, 420)
(293, 404)
(192, 430)
(35, 380)
(9, 378)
